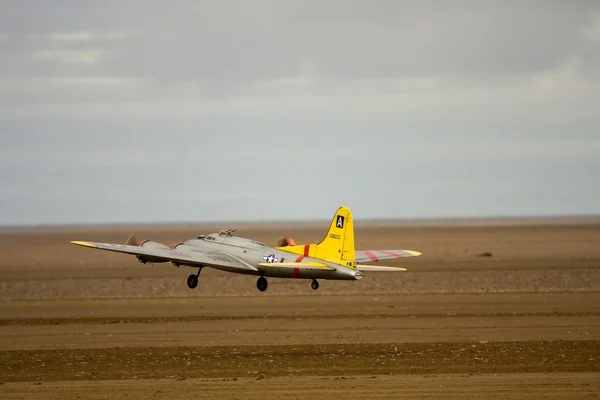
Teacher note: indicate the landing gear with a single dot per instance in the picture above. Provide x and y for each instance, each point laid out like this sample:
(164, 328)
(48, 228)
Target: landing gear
(192, 280)
(314, 284)
(261, 284)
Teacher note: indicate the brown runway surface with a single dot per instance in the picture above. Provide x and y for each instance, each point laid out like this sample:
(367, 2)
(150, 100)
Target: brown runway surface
(524, 323)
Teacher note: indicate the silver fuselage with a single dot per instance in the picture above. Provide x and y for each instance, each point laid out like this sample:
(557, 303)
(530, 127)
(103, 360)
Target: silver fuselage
(252, 253)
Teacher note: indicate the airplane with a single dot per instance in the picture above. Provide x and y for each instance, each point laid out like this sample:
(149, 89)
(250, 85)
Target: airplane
(334, 258)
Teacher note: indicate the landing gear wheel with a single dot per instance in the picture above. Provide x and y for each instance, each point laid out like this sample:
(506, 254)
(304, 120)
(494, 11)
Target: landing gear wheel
(192, 281)
(261, 284)
(314, 284)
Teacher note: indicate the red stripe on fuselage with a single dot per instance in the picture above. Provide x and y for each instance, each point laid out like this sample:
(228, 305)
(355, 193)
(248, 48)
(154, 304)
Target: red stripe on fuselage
(306, 249)
(297, 272)
(371, 256)
(299, 259)
(389, 253)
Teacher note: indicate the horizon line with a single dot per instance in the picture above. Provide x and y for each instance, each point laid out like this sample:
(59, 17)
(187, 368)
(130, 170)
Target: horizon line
(380, 220)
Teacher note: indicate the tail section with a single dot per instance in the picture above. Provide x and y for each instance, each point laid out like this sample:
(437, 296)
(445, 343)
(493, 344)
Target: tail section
(337, 246)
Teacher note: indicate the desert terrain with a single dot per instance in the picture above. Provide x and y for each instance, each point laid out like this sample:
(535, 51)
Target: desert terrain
(492, 309)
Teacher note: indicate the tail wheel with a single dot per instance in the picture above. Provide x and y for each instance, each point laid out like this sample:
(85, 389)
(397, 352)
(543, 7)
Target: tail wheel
(314, 284)
(262, 284)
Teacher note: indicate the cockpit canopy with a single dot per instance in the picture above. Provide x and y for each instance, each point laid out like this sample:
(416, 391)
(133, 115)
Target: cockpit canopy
(223, 233)
(226, 236)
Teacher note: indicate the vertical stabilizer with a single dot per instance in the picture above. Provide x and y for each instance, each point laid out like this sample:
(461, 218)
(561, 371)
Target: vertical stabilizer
(337, 246)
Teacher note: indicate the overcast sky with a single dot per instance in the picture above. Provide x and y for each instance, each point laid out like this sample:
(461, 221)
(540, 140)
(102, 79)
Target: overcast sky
(143, 111)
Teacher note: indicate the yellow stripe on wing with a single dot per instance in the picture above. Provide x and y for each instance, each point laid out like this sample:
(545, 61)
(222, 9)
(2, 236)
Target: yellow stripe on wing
(298, 265)
(380, 268)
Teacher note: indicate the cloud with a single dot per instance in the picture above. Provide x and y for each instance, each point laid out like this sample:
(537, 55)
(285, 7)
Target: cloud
(294, 58)
(592, 30)
(89, 56)
(189, 103)
(89, 36)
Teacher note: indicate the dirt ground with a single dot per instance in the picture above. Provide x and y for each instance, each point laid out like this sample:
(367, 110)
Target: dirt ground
(524, 323)
(43, 265)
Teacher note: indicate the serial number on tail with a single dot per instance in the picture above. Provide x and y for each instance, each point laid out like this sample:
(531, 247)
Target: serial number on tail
(334, 236)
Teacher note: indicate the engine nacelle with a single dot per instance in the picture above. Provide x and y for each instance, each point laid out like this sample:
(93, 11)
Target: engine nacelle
(151, 244)
(285, 241)
(148, 244)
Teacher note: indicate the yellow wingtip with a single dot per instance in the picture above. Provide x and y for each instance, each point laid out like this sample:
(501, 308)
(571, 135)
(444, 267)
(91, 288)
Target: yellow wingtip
(413, 253)
(85, 244)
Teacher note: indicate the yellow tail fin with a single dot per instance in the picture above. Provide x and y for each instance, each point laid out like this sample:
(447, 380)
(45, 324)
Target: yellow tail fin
(337, 246)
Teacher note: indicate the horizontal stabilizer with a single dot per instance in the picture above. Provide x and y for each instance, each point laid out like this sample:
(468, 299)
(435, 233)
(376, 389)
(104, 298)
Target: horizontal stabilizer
(379, 268)
(378, 255)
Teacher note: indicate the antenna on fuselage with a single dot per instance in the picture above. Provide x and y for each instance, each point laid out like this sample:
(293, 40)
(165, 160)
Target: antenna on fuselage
(227, 232)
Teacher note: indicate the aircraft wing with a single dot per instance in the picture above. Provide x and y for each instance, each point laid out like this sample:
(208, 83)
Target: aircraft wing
(377, 255)
(187, 257)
